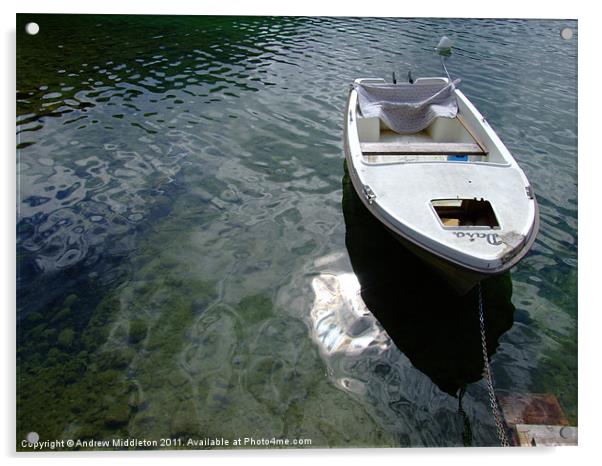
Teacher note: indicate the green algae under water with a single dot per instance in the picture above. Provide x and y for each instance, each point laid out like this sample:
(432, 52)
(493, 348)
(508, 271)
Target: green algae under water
(184, 240)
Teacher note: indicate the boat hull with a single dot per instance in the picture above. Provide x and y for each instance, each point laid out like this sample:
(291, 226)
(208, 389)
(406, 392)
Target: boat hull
(460, 279)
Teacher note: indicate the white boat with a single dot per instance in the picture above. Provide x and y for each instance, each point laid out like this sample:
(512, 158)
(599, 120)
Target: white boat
(450, 191)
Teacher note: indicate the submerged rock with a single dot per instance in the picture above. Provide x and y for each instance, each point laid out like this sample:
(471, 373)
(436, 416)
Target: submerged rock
(60, 315)
(35, 317)
(136, 399)
(69, 300)
(184, 420)
(53, 354)
(49, 334)
(117, 415)
(229, 195)
(65, 338)
(117, 359)
(176, 378)
(138, 330)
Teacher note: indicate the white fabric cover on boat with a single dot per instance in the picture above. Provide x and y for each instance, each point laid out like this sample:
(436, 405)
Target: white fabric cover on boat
(407, 108)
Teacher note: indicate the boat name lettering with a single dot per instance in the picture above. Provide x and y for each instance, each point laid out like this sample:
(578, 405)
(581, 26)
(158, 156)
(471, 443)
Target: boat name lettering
(492, 238)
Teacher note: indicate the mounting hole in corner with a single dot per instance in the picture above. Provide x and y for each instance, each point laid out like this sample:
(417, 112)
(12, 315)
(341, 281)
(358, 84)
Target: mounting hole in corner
(566, 33)
(32, 28)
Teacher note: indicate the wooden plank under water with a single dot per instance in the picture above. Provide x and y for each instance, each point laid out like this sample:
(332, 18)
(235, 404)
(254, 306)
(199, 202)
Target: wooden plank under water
(536, 419)
(421, 148)
(532, 408)
(546, 436)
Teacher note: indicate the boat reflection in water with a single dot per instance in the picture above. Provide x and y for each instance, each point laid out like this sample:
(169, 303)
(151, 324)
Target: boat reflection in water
(391, 325)
(433, 326)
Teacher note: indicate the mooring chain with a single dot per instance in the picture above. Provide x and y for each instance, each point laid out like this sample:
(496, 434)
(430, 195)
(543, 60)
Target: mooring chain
(499, 424)
(467, 431)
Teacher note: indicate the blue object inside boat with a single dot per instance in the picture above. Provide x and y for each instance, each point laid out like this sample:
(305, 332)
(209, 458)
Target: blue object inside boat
(457, 158)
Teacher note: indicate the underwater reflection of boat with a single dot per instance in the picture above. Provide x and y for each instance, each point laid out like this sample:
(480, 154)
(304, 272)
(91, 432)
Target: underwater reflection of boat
(437, 329)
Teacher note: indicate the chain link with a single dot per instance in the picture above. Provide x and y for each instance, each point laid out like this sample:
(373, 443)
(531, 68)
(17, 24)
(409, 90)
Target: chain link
(499, 424)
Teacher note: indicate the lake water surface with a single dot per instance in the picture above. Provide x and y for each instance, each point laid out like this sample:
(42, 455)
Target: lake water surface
(193, 262)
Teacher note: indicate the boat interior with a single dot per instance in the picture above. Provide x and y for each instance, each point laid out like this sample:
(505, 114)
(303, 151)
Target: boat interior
(465, 213)
(445, 139)
(459, 139)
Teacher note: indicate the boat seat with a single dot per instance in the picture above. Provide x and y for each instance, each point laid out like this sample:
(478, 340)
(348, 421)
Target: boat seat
(422, 148)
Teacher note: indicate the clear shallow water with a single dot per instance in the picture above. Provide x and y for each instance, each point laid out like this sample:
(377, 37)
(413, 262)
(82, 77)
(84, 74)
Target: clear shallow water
(191, 255)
